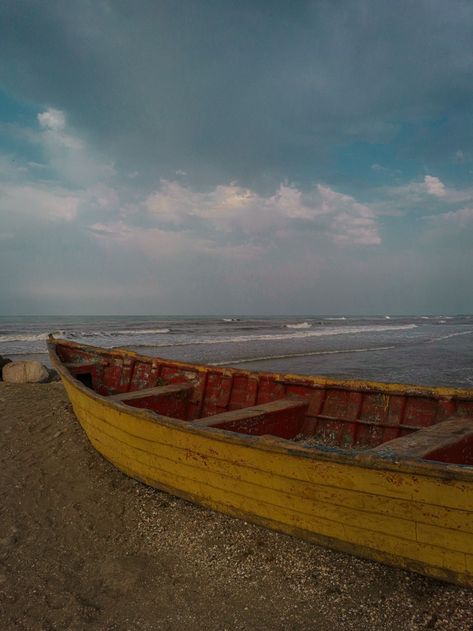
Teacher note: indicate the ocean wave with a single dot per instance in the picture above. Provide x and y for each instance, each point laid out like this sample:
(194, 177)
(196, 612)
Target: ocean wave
(300, 325)
(340, 318)
(231, 319)
(128, 332)
(41, 337)
(248, 360)
(446, 337)
(322, 332)
(24, 337)
(140, 332)
(28, 352)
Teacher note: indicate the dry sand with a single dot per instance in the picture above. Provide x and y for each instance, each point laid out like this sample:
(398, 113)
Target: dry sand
(84, 547)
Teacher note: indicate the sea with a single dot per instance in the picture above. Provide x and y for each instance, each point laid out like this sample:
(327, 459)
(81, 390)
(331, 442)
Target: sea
(428, 349)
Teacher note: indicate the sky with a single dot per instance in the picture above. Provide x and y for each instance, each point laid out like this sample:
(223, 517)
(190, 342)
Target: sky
(236, 157)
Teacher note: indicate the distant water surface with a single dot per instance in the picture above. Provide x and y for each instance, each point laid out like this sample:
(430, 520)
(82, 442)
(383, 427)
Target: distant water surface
(430, 349)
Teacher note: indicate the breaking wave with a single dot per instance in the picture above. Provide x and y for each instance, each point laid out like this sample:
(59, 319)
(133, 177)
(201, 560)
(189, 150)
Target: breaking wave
(18, 337)
(42, 337)
(300, 325)
(141, 332)
(122, 332)
(322, 332)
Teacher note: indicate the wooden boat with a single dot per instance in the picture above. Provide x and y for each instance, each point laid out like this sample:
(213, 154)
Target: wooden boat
(382, 471)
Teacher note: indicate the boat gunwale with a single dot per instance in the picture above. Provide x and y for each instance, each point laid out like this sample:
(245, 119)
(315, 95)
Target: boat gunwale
(357, 385)
(446, 472)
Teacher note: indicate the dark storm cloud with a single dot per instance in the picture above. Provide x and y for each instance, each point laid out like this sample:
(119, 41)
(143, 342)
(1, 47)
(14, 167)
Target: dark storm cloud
(255, 91)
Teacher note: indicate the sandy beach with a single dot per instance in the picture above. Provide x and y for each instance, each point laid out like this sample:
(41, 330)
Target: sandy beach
(84, 547)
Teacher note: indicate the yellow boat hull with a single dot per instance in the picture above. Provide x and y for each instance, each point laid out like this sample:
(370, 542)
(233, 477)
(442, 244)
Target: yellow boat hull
(418, 516)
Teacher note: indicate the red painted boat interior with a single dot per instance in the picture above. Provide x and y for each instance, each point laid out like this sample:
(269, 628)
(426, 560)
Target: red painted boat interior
(296, 409)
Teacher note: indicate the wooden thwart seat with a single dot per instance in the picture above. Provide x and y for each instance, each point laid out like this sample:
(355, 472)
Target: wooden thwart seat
(282, 417)
(448, 441)
(172, 389)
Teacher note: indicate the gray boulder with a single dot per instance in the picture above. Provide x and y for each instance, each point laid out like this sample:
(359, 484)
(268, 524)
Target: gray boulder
(27, 371)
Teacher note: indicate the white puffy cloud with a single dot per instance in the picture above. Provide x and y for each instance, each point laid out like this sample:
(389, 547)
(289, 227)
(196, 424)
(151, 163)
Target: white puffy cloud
(66, 153)
(53, 123)
(427, 198)
(158, 244)
(70, 178)
(38, 202)
(459, 217)
(434, 186)
(233, 209)
(52, 119)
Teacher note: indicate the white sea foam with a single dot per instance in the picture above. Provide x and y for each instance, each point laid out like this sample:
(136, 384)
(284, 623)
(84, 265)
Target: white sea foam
(30, 352)
(341, 318)
(18, 337)
(446, 337)
(123, 332)
(299, 325)
(322, 332)
(40, 337)
(138, 332)
(231, 319)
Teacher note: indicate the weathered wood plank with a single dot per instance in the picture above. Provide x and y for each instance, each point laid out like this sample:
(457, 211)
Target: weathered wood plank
(425, 441)
(172, 389)
(257, 411)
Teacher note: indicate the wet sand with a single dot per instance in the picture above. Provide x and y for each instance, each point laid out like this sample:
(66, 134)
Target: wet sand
(84, 547)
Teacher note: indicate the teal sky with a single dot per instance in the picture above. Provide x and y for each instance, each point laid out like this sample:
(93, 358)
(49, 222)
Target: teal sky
(236, 157)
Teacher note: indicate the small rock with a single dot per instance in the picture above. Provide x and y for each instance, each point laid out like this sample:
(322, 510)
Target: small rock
(27, 371)
(53, 375)
(9, 541)
(3, 362)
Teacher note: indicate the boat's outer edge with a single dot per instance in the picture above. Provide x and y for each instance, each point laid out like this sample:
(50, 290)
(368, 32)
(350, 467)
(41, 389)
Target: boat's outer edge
(445, 472)
(426, 512)
(126, 462)
(363, 552)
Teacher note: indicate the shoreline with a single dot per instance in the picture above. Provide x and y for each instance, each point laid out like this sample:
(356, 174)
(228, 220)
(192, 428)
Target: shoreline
(83, 545)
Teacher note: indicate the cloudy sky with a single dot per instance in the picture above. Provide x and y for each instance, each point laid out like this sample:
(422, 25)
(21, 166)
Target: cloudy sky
(224, 156)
